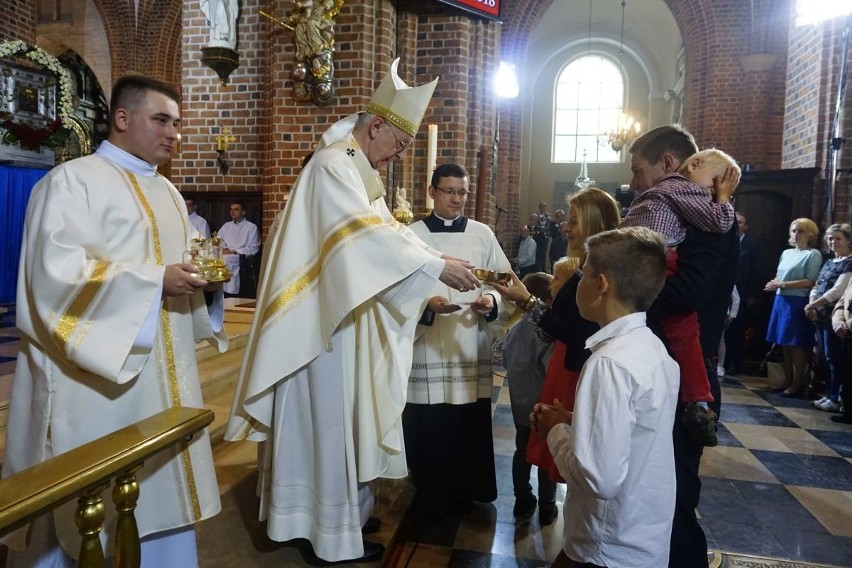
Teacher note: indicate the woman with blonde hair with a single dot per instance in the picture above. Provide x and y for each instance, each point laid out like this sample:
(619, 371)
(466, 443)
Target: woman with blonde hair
(788, 327)
(590, 211)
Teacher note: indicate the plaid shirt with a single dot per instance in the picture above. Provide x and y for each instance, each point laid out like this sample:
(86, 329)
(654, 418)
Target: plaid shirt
(675, 203)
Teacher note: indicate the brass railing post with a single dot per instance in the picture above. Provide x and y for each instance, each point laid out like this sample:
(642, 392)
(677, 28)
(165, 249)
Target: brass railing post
(89, 518)
(125, 493)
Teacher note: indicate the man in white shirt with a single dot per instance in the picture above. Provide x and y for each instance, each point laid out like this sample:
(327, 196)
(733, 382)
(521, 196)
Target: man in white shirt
(241, 239)
(196, 220)
(525, 260)
(615, 449)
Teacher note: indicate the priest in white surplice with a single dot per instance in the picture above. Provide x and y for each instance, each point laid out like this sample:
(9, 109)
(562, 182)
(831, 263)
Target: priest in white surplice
(196, 220)
(447, 419)
(329, 351)
(241, 238)
(108, 316)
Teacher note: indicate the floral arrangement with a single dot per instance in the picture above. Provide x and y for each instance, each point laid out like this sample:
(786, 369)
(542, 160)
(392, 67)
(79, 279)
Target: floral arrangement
(52, 134)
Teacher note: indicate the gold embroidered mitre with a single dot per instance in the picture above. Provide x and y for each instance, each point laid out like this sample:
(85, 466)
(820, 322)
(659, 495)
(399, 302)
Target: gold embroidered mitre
(399, 104)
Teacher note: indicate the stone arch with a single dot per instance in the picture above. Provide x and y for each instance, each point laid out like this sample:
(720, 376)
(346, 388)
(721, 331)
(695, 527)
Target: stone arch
(118, 20)
(161, 27)
(695, 22)
(143, 41)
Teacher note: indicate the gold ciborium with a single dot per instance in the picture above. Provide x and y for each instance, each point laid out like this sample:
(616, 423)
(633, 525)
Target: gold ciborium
(491, 276)
(206, 256)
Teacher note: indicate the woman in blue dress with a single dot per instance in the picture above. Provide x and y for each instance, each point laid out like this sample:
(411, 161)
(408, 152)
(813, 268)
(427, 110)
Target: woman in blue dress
(788, 327)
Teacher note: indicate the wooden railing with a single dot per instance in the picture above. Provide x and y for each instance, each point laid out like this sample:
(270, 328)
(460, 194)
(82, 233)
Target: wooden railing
(84, 472)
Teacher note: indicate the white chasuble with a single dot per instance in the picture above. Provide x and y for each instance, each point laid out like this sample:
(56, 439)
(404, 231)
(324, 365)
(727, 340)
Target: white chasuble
(95, 247)
(453, 356)
(329, 351)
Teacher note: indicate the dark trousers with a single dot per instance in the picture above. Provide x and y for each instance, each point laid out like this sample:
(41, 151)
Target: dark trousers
(688, 543)
(521, 470)
(450, 451)
(836, 357)
(562, 561)
(846, 377)
(735, 340)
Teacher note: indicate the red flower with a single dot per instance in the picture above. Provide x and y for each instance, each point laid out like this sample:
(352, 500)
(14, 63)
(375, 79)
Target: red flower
(31, 138)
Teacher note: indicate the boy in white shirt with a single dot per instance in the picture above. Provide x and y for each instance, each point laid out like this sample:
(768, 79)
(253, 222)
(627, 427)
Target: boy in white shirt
(615, 450)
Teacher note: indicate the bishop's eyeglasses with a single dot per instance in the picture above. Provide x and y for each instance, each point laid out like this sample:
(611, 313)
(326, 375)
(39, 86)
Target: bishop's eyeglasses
(400, 145)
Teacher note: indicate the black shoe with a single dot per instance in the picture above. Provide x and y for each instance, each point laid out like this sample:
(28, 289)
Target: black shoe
(842, 418)
(524, 508)
(373, 551)
(372, 525)
(700, 423)
(547, 513)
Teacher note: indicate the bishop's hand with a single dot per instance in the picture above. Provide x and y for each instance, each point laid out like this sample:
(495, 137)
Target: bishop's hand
(457, 275)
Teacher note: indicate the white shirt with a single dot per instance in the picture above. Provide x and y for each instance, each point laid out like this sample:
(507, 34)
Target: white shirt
(242, 237)
(200, 224)
(617, 456)
(526, 252)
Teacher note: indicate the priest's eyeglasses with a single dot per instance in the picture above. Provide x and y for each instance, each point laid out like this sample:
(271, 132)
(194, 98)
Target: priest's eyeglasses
(462, 193)
(400, 145)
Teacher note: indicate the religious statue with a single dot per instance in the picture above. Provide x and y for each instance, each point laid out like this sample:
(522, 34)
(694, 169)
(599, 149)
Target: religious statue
(313, 30)
(222, 18)
(402, 208)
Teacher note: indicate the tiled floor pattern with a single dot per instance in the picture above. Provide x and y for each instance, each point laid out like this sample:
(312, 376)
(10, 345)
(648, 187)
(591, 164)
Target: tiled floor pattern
(779, 485)
(777, 494)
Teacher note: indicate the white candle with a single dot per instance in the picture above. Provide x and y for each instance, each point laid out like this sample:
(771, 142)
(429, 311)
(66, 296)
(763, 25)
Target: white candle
(431, 157)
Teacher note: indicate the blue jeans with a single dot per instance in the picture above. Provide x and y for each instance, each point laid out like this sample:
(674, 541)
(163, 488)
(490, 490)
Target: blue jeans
(835, 356)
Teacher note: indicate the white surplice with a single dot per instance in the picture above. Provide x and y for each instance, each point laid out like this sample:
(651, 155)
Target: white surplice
(329, 351)
(453, 356)
(100, 347)
(200, 224)
(243, 238)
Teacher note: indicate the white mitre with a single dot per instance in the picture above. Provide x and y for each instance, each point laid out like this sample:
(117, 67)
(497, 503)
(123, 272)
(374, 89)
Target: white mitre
(399, 104)
(394, 101)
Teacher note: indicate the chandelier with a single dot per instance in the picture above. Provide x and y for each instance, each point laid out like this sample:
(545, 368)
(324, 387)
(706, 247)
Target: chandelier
(583, 180)
(625, 129)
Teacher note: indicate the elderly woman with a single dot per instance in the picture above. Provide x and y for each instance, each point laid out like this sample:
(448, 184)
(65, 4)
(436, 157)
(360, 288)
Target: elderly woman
(836, 273)
(788, 327)
(841, 321)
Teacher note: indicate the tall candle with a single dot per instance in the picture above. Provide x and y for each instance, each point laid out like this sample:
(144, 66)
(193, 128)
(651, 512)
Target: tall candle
(431, 157)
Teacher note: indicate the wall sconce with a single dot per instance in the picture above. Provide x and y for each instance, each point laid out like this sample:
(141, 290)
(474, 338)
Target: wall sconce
(223, 141)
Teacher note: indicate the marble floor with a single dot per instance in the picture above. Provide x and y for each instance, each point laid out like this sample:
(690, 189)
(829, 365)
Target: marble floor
(777, 493)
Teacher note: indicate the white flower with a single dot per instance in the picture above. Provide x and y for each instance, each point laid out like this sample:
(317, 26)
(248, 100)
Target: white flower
(19, 48)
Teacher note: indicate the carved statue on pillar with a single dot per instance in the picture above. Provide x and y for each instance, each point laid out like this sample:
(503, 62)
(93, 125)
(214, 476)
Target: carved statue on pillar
(222, 18)
(312, 24)
(220, 52)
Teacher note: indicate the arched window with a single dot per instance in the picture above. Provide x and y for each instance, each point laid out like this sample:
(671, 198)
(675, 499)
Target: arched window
(589, 96)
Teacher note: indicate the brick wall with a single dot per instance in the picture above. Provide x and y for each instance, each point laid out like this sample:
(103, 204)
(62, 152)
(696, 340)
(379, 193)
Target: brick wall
(775, 116)
(18, 20)
(209, 107)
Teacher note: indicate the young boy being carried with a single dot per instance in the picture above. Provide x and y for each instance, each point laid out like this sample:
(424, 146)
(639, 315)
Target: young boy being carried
(675, 202)
(615, 450)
